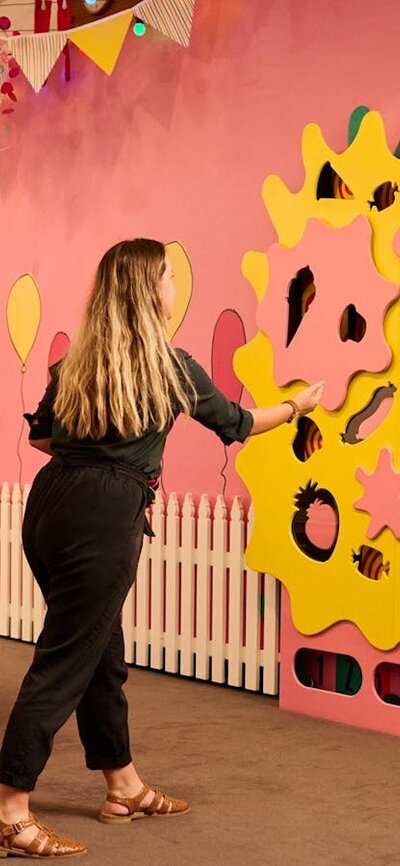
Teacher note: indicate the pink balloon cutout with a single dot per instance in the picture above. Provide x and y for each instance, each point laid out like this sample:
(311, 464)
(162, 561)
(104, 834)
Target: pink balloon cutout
(229, 335)
(59, 346)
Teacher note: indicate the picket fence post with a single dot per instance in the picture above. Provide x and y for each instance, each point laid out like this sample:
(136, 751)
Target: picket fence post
(203, 598)
(5, 559)
(172, 585)
(218, 592)
(157, 584)
(187, 599)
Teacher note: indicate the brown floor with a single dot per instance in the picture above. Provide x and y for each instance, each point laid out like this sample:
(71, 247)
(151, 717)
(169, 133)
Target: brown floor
(266, 787)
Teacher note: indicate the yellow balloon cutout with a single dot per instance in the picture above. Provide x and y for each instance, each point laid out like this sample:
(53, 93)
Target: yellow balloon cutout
(23, 315)
(183, 279)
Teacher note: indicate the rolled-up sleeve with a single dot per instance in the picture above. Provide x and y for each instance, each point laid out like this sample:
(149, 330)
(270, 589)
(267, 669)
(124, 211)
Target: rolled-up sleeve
(228, 420)
(41, 421)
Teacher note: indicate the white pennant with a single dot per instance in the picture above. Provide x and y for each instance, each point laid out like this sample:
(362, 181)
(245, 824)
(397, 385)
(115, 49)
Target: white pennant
(36, 54)
(171, 17)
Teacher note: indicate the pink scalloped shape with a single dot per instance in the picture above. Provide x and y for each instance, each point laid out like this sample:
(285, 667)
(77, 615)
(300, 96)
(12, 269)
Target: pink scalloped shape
(381, 497)
(344, 273)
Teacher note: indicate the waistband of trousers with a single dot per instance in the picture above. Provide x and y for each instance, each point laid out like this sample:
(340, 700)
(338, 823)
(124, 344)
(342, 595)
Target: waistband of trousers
(107, 463)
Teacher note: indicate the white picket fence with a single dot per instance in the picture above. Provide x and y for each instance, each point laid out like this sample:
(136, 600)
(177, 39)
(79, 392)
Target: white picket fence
(195, 609)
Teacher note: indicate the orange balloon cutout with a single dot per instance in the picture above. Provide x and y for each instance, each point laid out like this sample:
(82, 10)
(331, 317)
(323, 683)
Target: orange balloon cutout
(183, 279)
(23, 316)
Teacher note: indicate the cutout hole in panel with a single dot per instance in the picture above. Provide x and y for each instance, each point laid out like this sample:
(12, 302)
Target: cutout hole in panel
(352, 325)
(370, 417)
(308, 439)
(387, 683)
(329, 672)
(315, 523)
(384, 195)
(331, 185)
(370, 562)
(301, 293)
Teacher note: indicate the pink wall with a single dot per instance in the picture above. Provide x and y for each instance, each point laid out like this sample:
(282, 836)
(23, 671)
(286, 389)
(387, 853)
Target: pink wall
(175, 145)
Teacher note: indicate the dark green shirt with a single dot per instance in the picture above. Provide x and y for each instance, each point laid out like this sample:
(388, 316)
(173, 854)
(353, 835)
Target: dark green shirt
(228, 420)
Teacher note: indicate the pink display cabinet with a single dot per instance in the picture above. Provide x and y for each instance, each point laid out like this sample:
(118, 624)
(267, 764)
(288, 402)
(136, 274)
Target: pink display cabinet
(338, 675)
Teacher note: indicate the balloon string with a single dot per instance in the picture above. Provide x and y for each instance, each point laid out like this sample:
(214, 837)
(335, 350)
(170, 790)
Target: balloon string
(22, 426)
(162, 479)
(222, 473)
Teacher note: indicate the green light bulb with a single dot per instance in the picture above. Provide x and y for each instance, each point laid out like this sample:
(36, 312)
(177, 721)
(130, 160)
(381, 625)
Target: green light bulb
(139, 28)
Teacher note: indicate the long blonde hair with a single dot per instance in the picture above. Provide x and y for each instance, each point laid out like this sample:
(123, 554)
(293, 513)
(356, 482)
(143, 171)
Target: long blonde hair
(121, 370)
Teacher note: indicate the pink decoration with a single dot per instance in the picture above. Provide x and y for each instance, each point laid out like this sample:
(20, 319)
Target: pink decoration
(229, 334)
(364, 709)
(321, 525)
(341, 264)
(381, 498)
(374, 421)
(58, 349)
(5, 23)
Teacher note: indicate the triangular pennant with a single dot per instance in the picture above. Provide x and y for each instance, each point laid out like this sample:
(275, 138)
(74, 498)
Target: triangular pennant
(36, 54)
(172, 17)
(102, 41)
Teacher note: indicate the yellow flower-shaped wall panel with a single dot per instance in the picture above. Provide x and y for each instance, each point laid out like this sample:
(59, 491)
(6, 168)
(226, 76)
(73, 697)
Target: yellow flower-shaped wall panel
(326, 490)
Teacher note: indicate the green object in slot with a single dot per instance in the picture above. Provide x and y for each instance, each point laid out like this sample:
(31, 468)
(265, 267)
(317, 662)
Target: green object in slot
(348, 675)
(392, 699)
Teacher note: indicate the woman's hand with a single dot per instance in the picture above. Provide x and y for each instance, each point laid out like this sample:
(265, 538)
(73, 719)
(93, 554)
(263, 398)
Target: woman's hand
(267, 418)
(308, 399)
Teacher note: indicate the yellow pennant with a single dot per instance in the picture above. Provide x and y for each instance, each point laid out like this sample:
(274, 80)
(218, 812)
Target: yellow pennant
(102, 41)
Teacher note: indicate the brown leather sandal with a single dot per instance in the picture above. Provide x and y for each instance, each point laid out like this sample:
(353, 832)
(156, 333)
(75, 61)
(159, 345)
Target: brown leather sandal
(161, 804)
(46, 843)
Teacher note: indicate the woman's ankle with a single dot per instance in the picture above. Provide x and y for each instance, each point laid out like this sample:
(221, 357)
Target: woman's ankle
(122, 780)
(14, 804)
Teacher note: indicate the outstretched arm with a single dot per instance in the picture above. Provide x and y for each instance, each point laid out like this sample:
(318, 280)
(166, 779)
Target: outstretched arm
(229, 420)
(272, 416)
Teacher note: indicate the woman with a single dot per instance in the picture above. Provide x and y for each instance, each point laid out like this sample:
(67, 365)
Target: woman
(104, 419)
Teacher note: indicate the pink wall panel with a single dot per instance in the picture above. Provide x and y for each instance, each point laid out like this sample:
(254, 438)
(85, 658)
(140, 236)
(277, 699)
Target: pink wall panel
(365, 709)
(175, 145)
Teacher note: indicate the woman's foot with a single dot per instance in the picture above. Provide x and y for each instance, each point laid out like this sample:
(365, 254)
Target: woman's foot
(124, 784)
(28, 837)
(147, 802)
(127, 793)
(14, 808)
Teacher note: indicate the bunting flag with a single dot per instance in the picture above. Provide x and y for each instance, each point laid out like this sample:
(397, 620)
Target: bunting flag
(37, 55)
(171, 17)
(20, 13)
(103, 40)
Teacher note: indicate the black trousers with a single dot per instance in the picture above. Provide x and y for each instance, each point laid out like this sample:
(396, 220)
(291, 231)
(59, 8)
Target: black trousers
(82, 536)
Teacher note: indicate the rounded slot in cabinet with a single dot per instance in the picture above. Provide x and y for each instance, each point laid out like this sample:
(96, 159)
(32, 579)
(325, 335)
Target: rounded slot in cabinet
(329, 672)
(387, 683)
